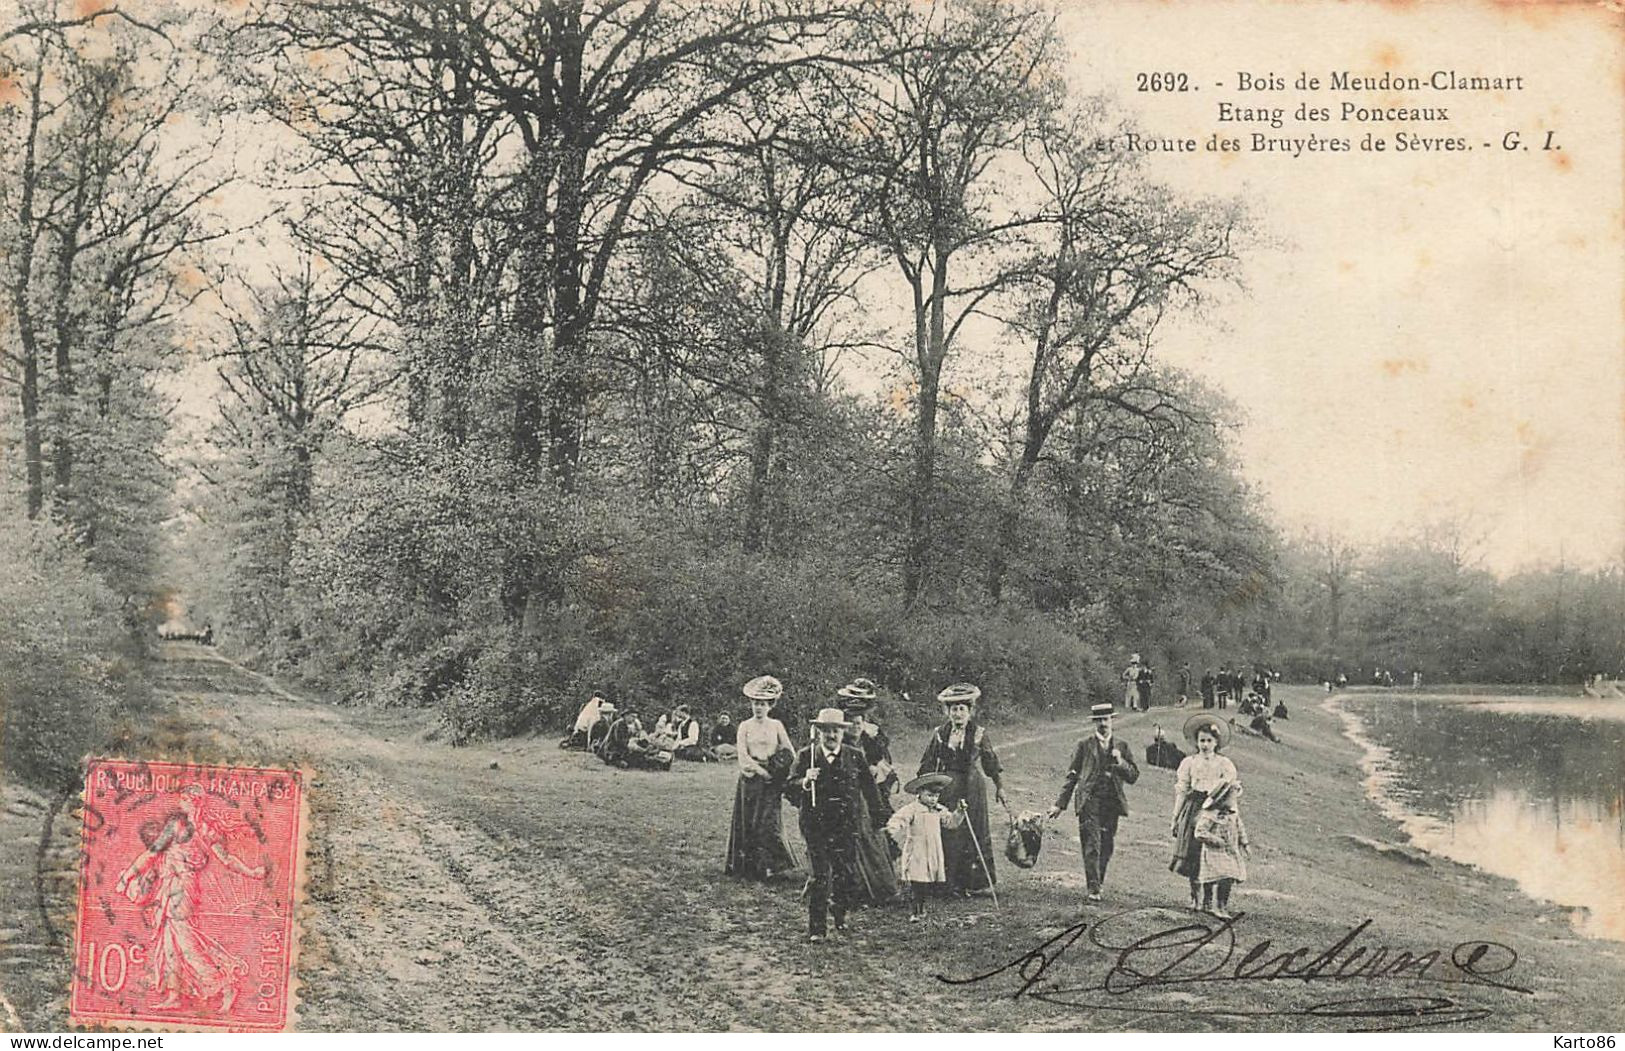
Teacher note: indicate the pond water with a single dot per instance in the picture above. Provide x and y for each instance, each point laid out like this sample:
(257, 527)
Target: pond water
(1529, 788)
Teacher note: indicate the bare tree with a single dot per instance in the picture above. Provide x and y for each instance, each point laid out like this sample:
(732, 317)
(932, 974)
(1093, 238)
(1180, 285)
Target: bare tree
(956, 87)
(300, 361)
(607, 97)
(397, 184)
(1336, 562)
(104, 215)
(23, 218)
(1109, 257)
(769, 246)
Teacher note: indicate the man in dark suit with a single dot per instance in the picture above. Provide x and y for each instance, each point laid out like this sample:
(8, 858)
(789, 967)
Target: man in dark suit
(1101, 765)
(827, 784)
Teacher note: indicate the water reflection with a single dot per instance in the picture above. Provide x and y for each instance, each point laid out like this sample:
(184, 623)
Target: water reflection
(1529, 789)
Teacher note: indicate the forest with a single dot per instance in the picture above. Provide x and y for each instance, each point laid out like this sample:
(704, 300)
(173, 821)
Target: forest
(478, 356)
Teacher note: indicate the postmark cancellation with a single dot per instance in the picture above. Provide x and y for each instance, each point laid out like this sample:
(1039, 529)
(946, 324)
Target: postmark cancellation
(189, 884)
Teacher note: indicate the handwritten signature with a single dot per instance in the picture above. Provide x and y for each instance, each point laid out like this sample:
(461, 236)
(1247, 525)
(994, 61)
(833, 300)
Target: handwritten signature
(1145, 954)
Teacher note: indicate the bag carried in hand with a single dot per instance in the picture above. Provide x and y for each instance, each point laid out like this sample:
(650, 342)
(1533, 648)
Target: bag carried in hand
(1212, 829)
(1026, 838)
(778, 766)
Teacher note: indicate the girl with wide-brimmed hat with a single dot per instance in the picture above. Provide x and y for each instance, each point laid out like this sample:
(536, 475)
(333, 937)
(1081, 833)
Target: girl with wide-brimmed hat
(961, 749)
(1208, 834)
(917, 828)
(756, 844)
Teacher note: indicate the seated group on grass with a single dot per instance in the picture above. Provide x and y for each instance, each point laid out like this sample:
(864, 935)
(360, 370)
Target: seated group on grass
(620, 739)
(1256, 709)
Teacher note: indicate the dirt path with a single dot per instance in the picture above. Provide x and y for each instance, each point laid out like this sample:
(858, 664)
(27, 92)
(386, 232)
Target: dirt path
(515, 886)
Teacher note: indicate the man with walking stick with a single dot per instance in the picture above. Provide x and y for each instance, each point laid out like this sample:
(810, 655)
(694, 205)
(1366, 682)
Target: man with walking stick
(829, 785)
(1100, 767)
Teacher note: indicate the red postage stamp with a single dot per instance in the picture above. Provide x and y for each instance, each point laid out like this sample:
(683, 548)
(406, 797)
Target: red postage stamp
(187, 891)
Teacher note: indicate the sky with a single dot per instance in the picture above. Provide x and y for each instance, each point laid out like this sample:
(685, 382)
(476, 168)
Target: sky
(1422, 337)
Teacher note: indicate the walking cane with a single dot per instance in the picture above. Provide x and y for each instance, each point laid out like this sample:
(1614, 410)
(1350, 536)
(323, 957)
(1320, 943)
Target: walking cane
(971, 828)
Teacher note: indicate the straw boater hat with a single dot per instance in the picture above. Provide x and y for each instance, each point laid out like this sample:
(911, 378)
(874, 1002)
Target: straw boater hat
(764, 688)
(1134, 658)
(960, 693)
(1203, 720)
(858, 690)
(924, 781)
(606, 706)
(831, 717)
(1103, 710)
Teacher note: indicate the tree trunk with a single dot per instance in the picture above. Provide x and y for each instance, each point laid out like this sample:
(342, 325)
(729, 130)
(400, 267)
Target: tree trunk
(63, 414)
(1010, 520)
(931, 338)
(762, 445)
(917, 559)
(32, 451)
(526, 439)
(567, 409)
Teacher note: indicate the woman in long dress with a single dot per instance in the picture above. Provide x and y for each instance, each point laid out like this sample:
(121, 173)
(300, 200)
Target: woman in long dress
(877, 878)
(961, 749)
(756, 844)
(1207, 829)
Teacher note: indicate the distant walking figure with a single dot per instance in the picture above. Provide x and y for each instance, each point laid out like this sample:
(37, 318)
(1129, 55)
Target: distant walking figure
(1131, 682)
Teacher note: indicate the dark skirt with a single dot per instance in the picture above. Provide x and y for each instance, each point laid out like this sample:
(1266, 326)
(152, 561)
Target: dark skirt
(1187, 859)
(969, 860)
(756, 844)
(876, 878)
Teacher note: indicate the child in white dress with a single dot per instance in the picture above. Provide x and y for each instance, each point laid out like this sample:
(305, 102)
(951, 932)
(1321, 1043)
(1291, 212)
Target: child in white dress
(917, 828)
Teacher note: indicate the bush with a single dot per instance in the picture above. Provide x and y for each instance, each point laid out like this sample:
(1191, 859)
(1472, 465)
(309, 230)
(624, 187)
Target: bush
(1021, 661)
(402, 592)
(63, 680)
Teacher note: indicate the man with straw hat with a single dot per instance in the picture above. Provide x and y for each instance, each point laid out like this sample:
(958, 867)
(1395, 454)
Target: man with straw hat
(1100, 767)
(831, 785)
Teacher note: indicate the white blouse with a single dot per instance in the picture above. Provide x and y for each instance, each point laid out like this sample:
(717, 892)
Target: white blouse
(1201, 773)
(758, 739)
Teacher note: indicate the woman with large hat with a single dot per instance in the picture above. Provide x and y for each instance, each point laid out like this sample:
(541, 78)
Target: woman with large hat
(756, 844)
(876, 882)
(1206, 786)
(961, 749)
(857, 700)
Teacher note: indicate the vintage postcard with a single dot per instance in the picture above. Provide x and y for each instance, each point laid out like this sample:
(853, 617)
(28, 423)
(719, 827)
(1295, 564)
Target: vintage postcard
(864, 516)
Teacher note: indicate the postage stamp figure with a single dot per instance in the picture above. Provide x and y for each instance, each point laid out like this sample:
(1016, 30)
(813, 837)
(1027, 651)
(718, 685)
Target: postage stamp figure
(188, 883)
